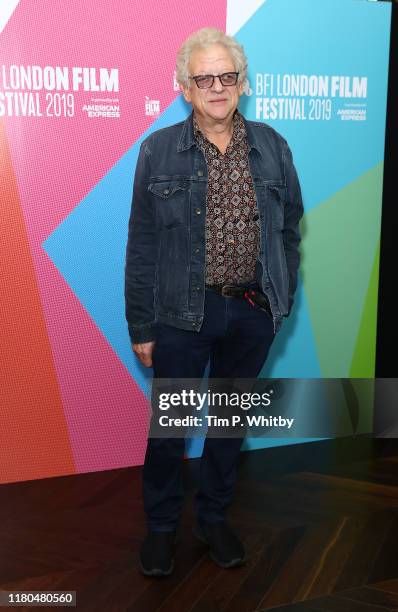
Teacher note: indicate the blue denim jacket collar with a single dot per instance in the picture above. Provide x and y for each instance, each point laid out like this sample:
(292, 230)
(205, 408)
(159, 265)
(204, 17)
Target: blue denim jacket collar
(187, 139)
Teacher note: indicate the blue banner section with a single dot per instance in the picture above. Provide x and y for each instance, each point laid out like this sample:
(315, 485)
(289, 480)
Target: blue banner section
(318, 74)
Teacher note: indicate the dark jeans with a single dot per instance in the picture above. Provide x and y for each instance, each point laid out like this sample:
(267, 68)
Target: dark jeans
(237, 337)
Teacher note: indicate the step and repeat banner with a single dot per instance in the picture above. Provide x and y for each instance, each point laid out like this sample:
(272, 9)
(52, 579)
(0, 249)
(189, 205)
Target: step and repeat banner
(79, 90)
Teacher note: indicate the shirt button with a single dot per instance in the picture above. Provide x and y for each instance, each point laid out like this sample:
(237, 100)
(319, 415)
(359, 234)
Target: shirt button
(200, 172)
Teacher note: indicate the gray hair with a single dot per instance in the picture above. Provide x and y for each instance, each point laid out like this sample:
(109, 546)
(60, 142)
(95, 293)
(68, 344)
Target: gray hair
(201, 40)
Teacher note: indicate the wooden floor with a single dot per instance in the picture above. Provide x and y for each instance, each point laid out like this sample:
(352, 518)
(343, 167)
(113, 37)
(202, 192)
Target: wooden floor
(319, 520)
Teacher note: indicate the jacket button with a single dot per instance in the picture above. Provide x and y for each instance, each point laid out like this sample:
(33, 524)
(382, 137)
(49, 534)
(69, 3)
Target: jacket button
(200, 172)
(166, 191)
(197, 288)
(198, 211)
(197, 250)
(194, 324)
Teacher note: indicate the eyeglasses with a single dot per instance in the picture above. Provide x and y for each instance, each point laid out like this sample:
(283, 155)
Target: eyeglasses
(206, 80)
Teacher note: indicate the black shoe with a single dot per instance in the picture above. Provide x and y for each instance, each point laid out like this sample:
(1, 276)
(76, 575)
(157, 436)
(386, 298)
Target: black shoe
(225, 547)
(157, 553)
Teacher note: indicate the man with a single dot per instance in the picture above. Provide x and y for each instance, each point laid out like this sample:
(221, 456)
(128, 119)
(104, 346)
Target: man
(211, 270)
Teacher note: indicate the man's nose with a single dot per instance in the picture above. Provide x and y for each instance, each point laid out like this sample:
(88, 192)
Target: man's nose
(217, 85)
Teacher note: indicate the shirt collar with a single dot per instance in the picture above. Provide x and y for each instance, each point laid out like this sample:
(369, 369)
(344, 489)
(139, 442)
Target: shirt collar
(238, 130)
(187, 138)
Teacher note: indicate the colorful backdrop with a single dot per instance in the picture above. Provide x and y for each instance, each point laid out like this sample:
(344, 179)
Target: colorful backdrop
(79, 90)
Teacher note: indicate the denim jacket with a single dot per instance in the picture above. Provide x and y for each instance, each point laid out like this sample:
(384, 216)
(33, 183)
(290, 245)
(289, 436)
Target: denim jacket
(165, 255)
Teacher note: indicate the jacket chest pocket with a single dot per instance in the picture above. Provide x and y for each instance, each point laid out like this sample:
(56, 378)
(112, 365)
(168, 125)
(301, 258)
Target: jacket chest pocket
(171, 200)
(275, 204)
(271, 201)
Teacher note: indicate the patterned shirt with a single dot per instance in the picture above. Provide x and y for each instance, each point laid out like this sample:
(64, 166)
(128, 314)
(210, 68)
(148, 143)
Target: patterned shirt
(232, 220)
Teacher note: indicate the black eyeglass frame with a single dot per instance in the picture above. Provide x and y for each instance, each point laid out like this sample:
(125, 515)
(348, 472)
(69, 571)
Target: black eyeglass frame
(214, 76)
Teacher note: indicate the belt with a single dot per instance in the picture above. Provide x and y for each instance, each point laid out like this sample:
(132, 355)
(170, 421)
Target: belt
(250, 293)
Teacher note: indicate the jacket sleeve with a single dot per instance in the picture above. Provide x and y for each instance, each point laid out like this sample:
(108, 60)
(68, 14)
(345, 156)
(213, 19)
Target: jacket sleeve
(293, 213)
(141, 256)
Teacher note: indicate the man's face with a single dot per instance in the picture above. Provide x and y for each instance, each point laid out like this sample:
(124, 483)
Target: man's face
(217, 103)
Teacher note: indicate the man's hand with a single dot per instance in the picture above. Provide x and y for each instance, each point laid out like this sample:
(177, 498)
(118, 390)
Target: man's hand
(144, 352)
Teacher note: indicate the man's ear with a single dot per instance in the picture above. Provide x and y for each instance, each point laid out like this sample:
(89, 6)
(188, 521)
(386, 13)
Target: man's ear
(186, 92)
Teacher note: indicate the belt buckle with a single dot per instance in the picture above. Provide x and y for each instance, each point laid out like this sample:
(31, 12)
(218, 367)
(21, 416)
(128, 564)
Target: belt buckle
(224, 290)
